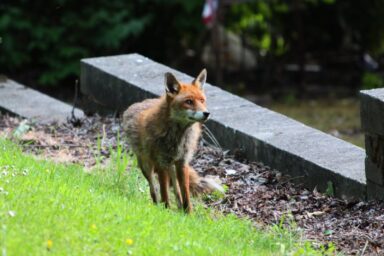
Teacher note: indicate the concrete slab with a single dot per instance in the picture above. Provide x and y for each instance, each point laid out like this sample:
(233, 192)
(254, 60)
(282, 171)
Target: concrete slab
(31, 104)
(375, 191)
(372, 107)
(314, 157)
(374, 173)
(372, 122)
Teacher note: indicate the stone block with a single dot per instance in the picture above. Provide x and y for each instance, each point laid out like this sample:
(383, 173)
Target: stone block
(374, 191)
(31, 104)
(374, 145)
(374, 172)
(372, 111)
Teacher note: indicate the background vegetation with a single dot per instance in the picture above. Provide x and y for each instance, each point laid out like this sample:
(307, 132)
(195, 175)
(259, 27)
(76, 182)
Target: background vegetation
(303, 48)
(42, 42)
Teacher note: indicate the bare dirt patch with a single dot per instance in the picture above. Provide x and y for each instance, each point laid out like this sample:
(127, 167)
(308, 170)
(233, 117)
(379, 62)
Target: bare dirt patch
(255, 191)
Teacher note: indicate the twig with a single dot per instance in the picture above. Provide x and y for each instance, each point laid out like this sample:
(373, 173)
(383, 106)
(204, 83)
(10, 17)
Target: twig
(365, 247)
(290, 179)
(74, 120)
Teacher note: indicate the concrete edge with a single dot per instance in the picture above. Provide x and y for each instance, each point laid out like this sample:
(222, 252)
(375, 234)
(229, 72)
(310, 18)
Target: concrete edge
(25, 102)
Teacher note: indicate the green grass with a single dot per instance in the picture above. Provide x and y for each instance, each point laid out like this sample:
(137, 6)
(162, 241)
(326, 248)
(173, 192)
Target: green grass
(55, 209)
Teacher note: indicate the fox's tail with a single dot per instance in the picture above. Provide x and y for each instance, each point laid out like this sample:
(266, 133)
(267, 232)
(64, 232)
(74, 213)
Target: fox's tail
(201, 185)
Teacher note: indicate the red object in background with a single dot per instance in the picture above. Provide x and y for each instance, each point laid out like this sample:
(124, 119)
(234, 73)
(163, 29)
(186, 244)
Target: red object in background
(209, 11)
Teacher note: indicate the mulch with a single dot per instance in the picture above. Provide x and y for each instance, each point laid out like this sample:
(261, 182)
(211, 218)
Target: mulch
(255, 191)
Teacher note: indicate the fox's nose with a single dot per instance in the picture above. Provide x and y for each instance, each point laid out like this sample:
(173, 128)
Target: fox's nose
(206, 115)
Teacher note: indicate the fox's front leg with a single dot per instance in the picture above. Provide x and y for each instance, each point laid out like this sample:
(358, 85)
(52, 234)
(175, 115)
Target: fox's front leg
(147, 171)
(164, 184)
(182, 171)
(176, 188)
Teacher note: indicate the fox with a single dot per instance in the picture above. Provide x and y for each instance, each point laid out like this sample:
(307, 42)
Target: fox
(164, 133)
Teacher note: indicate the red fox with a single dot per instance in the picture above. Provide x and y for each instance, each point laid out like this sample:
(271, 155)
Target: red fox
(164, 134)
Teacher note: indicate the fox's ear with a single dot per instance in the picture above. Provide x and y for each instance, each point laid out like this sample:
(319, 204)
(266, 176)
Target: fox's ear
(200, 79)
(171, 84)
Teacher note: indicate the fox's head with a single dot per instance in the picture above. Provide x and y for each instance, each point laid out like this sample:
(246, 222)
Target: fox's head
(187, 101)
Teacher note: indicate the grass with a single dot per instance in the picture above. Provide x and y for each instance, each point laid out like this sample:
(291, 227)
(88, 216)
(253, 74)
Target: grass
(54, 209)
(340, 116)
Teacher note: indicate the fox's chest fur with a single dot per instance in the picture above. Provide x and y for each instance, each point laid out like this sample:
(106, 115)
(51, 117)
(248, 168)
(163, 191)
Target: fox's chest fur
(152, 133)
(176, 144)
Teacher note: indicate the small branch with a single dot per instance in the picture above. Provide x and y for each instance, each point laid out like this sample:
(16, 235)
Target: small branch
(365, 247)
(74, 120)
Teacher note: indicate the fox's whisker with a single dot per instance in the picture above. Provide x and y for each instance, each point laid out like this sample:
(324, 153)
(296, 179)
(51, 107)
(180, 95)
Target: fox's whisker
(212, 137)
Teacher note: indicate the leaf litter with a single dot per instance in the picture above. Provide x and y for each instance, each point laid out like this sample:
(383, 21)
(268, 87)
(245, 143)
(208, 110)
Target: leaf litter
(255, 191)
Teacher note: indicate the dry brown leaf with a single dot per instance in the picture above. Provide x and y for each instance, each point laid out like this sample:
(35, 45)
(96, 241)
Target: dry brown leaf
(39, 137)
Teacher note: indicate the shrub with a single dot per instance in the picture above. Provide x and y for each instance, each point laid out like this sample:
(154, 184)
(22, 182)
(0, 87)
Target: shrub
(50, 37)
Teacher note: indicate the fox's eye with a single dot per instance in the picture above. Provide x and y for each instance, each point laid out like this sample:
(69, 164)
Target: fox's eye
(189, 102)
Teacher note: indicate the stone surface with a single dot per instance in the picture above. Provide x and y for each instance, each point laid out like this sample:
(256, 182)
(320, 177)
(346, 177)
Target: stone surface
(374, 145)
(374, 191)
(312, 157)
(32, 104)
(374, 172)
(372, 111)
(372, 122)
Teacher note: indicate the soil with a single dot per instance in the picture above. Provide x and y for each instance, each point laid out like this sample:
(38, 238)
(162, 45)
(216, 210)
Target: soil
(255, 191)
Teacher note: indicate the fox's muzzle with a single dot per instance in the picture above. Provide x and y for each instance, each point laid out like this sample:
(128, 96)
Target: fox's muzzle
(206, 115)
(198, 116)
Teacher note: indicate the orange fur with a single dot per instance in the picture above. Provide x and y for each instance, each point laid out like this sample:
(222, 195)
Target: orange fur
(164, 133)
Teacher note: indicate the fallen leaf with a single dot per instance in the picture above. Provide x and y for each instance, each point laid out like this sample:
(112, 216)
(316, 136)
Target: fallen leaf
(315, 213)
(230, 172)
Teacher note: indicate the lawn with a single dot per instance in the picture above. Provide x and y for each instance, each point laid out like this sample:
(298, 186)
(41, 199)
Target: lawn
(55, 209)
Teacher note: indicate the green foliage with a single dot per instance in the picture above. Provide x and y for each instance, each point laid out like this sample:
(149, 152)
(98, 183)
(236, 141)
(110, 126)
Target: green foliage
(257, 19)
(308, 249)
(216, 195)
(279, 27)
(55, 35)
(287, 228)
(372, 80)
(44, 40)
(50, 37)
(330, 191)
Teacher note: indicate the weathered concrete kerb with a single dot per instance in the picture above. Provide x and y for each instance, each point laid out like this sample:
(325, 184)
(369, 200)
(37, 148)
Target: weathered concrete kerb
(372, 122)
(31, 104)
(312, 157)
